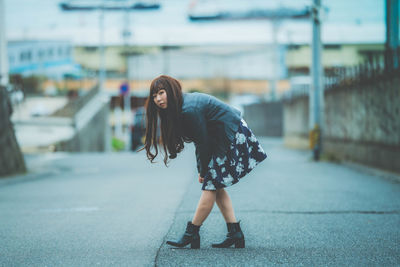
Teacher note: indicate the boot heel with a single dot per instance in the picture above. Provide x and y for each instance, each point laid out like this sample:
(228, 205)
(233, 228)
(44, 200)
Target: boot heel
(240, 243)
(195, 244)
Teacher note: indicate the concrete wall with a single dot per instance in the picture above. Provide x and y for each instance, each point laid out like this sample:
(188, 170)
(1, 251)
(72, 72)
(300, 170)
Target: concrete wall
(11, 159)
(361, 122)
(92, 137)
(295, 122)
(264, 119)
(89, 114)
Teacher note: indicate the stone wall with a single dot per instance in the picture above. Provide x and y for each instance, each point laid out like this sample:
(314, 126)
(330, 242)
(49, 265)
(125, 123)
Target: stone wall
(11, 158)
(362, 121)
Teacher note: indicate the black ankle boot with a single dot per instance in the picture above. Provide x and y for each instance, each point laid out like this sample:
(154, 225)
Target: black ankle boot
(234, 236)
(191, 236)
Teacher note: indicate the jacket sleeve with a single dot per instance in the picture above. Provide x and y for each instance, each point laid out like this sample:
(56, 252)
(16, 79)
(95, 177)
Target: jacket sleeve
(198, 125)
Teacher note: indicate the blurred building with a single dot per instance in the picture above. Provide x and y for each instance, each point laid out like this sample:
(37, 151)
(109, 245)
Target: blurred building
(252, 62)
(248, 68)
(298, 58)
(88, 57)
(248, 62)
(50, 58)
(233, 68)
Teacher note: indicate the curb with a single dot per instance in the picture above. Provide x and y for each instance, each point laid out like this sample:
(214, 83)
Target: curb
(390, 176)
(29, 176)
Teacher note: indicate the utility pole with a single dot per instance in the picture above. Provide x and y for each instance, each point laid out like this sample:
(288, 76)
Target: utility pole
(275, 58)
(316, 94)
(276, 16)
(102, 71)
(125, 6)
(126, 34)
(316, 105)
(392, 34)
(84, 6)
(3, 47)
(165, 50)
(126, 96)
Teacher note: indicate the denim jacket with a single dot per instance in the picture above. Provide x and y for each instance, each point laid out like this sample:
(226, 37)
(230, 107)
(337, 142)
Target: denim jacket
(211, 124)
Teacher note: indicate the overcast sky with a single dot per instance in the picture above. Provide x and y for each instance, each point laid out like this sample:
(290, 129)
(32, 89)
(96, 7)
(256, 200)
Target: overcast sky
(346, 21)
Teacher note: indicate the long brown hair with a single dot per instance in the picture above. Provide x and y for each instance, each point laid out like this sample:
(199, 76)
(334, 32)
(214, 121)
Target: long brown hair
(172, 139)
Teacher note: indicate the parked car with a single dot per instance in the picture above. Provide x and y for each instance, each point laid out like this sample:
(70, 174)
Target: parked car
(39, 110)
(138, 128)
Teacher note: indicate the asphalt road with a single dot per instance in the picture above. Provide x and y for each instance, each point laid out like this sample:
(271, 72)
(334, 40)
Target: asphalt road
(117, 209)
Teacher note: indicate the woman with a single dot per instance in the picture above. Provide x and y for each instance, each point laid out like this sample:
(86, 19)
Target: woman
(226, 150)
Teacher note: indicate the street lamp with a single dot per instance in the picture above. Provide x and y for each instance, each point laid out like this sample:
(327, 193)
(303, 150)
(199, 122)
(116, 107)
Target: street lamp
(316, 103)
(392, 50)
(3, 48)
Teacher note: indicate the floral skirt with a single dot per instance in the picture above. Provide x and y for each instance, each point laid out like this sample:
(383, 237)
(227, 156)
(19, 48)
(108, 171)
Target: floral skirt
(244, 154)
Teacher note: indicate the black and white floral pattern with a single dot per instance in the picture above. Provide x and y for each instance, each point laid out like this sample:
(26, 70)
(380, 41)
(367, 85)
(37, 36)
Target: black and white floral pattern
(243, 156)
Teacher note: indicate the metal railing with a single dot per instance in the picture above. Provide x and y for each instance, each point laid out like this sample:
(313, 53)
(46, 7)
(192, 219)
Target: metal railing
(378, 67)
(374, 69)
(76, 104)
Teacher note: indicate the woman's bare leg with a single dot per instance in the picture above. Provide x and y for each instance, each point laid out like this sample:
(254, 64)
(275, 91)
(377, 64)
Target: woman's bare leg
(225, 206)
(204, 207)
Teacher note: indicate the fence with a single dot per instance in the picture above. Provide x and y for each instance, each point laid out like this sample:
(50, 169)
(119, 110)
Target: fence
(372, 70)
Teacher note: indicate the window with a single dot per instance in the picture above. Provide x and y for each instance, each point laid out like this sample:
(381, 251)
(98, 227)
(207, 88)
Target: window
(90, 48)
(25, 56)
(11, 59)
(293, 47)
(41, 54)
(68, 51)
(372, 55)
(28, 55)
(332, 46)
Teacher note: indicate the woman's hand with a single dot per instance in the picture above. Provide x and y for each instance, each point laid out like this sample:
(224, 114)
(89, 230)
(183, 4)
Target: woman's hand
(201, 179)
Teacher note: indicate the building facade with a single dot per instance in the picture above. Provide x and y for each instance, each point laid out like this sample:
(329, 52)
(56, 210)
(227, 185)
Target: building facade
(49, 58)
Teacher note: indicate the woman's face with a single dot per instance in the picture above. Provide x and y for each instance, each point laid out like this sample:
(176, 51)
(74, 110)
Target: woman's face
(160, 98)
